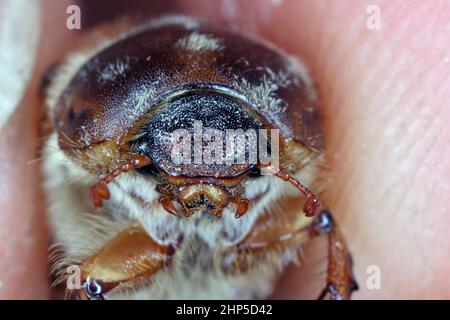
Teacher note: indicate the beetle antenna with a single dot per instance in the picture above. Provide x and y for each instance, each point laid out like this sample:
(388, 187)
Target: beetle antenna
(100, 192)
(312, 204)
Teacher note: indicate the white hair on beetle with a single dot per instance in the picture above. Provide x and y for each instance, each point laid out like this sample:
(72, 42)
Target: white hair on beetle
(197, 42)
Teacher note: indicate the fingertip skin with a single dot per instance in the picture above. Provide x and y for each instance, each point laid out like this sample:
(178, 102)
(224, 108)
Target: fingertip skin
(23, 233)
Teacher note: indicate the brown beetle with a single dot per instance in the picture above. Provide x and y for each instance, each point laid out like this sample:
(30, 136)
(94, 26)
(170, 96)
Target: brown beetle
(113, 179)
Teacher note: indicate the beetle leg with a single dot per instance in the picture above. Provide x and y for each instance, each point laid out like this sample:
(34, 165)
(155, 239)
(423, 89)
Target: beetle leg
(131, 256)
(340, 279)
(100, 192)
(270, 234)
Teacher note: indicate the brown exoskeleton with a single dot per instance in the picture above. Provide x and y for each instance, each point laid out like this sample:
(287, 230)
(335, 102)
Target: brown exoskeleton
(140, 224)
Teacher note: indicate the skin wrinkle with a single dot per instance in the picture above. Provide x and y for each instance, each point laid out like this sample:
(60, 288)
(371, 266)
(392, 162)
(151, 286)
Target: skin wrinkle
(413, 211)
(342, 54)
(399, 35)
(404, 152)
(429, 188)
(405, 92)
(410, 147)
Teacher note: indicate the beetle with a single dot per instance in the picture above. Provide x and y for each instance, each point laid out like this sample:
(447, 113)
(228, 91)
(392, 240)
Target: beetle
(138, 223)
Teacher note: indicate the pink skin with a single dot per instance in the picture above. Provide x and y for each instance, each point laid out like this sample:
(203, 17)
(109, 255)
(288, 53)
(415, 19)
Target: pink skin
(386, 121)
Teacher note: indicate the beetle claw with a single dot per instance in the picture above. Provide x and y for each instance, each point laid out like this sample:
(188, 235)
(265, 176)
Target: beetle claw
(99, 192)
(242, 207)
(167, 204)
(312, 206)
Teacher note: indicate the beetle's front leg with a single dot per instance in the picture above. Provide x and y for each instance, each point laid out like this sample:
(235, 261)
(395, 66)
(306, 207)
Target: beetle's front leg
(131, 256)
(340, 280)
(269, 234)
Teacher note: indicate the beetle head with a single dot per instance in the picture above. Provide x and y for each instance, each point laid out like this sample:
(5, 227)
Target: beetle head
(188, 140)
